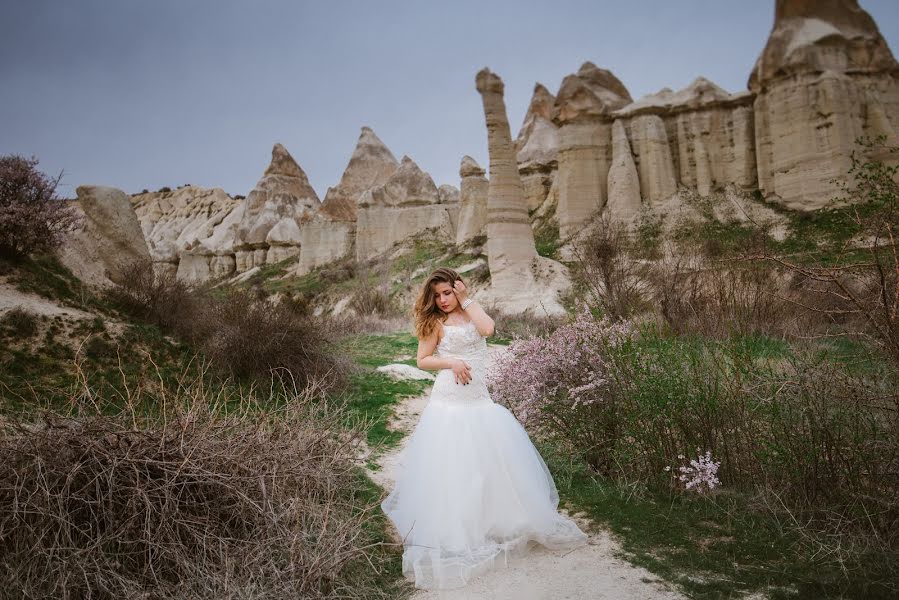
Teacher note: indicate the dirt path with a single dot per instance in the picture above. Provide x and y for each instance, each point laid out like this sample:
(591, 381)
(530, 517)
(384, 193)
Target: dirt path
(11, 298)
(589, 572)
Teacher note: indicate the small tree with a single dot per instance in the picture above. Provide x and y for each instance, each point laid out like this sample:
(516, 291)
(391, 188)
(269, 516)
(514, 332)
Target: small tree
(862, 280)
(32, 217)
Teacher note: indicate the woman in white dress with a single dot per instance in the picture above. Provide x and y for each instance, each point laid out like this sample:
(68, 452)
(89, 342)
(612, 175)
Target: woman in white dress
(471, 490)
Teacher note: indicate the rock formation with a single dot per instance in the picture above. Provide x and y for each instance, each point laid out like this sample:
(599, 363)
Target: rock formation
(473, 201)
(108, 240)
(700, 137)
(183, 220)
(583, 112)
(653, 157)
(405, 205)
(520, 279)
(282, 196)
(825, 77)
(331, 233)
(624, 182)
(537, 147)
(371, 164)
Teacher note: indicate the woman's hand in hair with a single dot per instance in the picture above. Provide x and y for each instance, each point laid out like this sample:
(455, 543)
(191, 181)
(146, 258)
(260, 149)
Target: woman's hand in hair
(460, 290)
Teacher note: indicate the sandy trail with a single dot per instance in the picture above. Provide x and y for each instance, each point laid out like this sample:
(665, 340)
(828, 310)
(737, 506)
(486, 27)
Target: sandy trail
(11, 298)
(591, 571)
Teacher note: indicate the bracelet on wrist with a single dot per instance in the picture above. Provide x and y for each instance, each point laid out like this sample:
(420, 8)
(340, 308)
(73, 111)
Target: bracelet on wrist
(467, 303)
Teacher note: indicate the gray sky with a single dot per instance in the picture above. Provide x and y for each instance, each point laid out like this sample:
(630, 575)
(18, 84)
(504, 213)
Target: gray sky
(167, 92)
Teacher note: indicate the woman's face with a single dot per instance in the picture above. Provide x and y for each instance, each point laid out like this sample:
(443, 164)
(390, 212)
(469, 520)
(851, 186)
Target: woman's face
(445, 296)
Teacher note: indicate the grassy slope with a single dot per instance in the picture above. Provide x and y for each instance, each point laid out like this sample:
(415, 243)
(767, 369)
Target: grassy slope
(113, 353)
(718, 548)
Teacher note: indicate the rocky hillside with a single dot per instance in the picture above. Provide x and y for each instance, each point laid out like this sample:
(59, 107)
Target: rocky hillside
(824, 78)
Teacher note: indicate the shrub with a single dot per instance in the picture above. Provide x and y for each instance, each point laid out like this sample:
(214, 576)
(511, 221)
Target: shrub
(21, 323)
(32, 217)
(243, 333)
(858, 280)
(614, 279)
(370, 300)
(718, 298)
(160, 299)
(816, 441)
(559, 385)
(217, 494)
(251, 337)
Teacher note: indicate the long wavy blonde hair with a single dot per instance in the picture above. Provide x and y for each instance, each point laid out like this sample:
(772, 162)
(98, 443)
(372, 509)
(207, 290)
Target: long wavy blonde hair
(426, 312)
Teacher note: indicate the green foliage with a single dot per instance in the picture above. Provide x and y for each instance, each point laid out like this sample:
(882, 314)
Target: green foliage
(711, 547)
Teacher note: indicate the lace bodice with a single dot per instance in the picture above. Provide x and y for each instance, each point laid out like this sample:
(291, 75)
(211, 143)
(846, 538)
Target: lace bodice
(462, 341)
(465, 342)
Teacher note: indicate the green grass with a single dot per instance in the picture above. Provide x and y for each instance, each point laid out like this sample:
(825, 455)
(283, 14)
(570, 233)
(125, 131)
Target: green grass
(546, 235)
(373, 394)
(388, 558)
(712, 548)
(44, 374)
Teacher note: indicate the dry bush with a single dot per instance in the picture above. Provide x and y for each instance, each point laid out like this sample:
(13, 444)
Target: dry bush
(347, 324)
(244, 333)
(188, 491)
(373, 299)
(614, 278)
(523, 325)
(20, 323)
(371, 295)
(32, 217)
(721, 297)
(160, 299)
(250, 337)
(859, 286)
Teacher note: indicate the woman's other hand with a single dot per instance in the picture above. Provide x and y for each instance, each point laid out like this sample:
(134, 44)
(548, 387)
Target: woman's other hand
(462, 371)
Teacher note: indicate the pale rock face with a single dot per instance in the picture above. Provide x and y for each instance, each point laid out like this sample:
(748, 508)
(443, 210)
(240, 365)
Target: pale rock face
(583, 109)
(283, 192)
(190, 219)
(109, 239)
(710, 133)
(283, 240)
(624, 182)
(701, 93)
(653, 157)
(406, 204)
(447, 194)
(520, 279)
(451, 196)
(371, 165)
(473, 201)
(825, 77)
(538, 139)
(812, 36)
(324, 240)
(592, 92)
(537, 148)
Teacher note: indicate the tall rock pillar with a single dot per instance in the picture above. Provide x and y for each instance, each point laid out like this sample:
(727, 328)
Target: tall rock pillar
(582, 111)
(510, 238)
(825, 77)
(520, 279)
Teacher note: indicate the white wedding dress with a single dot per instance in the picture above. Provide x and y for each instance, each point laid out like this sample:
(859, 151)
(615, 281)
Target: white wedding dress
(471, 490)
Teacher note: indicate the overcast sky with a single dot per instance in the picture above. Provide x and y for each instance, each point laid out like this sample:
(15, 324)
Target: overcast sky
(166, 92)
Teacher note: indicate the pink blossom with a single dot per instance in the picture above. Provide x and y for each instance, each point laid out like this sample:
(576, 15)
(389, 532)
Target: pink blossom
(566, 369)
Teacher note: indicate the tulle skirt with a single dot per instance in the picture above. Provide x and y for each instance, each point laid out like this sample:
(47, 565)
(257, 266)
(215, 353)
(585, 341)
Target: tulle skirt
(471, 492)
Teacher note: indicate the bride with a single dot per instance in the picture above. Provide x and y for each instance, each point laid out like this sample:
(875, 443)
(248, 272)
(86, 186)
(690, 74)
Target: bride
(471, 490)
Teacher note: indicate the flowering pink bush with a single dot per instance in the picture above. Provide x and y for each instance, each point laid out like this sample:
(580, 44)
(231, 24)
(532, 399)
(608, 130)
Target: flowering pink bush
(32, 217)
(560, 384)
(701, 474)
